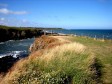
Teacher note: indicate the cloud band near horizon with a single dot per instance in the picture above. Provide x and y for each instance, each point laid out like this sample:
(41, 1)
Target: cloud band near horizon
(7, 11)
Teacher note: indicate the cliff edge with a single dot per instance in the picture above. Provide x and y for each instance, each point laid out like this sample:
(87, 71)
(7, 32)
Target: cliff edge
(55, 60)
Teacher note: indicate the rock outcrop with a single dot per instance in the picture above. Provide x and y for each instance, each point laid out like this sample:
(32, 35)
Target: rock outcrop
(9, 33)
(6, 63)
(43, 42)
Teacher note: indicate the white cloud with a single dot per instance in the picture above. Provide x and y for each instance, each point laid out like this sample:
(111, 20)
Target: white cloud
(2, 19)
(16, 22)
(6, 11)
(19, 12)
(24, 20)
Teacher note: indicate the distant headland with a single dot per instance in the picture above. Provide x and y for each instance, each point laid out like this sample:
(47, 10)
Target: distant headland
(16, 33)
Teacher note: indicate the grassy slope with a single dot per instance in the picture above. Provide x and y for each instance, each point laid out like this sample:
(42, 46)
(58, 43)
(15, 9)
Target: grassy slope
(103, 51)
(77, 61)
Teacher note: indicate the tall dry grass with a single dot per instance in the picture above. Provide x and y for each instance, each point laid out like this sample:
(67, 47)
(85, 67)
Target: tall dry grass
(63, 49)
(63, 64)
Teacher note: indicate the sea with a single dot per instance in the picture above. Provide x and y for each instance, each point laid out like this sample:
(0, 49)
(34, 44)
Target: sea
(15, 47)
(93, 33)
(24, 44)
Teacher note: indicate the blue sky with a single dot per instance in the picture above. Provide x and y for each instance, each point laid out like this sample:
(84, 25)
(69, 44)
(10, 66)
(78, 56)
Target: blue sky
(57, 13)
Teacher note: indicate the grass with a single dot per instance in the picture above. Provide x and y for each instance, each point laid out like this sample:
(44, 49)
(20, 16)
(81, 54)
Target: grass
(103, 52)
(77, 61)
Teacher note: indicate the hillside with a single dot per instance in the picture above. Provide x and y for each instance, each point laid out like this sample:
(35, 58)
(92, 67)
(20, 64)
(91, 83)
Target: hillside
(16, 33)
(64, 60)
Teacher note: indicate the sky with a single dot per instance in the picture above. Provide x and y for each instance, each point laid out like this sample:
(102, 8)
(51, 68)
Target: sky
(70, 14)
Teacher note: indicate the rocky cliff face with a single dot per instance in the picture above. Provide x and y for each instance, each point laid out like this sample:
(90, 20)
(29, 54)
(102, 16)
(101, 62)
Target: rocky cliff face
(16, 33)
(6, 63)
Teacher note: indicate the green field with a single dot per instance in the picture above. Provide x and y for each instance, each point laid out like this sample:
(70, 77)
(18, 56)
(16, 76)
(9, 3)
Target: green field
(103, 52)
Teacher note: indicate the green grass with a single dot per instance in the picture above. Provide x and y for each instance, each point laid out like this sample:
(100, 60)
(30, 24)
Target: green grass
(103, 52)
(65, 64)
(82, 61)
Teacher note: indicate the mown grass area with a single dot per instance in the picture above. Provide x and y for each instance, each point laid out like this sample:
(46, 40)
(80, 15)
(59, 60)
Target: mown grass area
(77, 61)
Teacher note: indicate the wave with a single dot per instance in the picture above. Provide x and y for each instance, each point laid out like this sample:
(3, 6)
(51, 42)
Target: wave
(15, 54)
(1, 42)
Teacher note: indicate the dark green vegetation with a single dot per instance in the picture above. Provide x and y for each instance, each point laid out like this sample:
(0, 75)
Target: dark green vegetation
(16, 33)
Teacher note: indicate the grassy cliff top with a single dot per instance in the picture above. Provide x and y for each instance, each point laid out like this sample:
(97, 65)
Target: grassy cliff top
(64, 60)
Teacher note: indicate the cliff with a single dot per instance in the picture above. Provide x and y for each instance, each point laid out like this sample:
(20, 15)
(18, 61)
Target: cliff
(16, 33)
(63, 60)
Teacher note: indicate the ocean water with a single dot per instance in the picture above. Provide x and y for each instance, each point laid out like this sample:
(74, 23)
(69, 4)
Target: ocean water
(101, 33)
(15, 45)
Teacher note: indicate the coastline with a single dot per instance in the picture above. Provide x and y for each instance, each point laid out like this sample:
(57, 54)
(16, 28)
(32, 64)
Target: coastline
(74, 35)
(18, 33)
(93, 33)
(64, 48)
